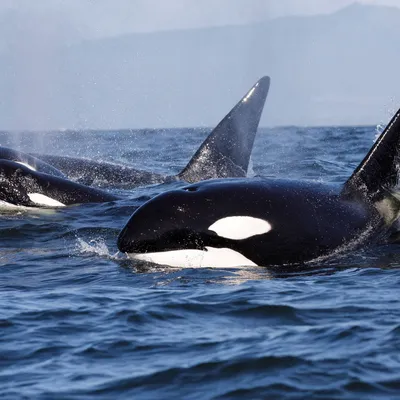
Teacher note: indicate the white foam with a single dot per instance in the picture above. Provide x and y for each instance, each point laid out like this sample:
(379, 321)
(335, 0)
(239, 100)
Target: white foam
(43, 200)
(209, 258)
(240, 227)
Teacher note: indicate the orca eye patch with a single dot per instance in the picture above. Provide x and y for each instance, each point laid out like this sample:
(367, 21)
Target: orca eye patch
(240, 227)
(43, 200)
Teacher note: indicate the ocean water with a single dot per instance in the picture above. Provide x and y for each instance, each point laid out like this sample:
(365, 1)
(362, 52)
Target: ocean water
(79, 321)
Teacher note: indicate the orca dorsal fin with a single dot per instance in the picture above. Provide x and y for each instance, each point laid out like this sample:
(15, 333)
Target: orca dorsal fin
(379, 171)
(226, 151)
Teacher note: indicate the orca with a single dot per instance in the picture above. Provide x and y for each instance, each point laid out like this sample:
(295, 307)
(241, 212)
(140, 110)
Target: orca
(29, 161)
(28, 181)
(225, 152)
(20, 185)
(265, 222)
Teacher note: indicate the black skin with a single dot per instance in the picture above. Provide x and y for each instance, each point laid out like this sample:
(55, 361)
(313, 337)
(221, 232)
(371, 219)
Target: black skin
(90, 172)
(308, 220)
(39, 165)
(16, 181)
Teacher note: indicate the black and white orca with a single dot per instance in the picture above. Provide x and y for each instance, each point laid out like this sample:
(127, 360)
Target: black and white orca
(20, 185)
(29, 181)
(29, 161)
(263, 222)
(225, 152)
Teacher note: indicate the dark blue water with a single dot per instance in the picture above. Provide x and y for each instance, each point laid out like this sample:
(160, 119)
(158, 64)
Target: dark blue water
(78, 320)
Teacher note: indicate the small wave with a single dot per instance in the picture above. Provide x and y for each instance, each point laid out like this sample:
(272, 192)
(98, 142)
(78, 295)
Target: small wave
(220, 377)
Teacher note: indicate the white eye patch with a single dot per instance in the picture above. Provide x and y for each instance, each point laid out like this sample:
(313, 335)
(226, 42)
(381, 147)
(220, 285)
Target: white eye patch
(43, 200)
(239, 227)
(26, 165)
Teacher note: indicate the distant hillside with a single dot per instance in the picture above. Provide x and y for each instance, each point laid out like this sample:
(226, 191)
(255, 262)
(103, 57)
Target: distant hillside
(341, 68)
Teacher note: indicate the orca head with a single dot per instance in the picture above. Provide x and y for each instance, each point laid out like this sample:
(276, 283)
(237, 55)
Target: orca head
(19, 186)
(243, 222)
(28, 161)
(14, 181)
(199, 225)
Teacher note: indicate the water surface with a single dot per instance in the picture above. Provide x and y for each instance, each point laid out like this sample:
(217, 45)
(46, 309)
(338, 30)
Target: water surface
(78, 320)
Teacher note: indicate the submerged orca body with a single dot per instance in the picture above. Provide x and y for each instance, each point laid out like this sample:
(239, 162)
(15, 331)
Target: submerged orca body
(22, 186)
(96, 173)
(225, 152)
(234, 222)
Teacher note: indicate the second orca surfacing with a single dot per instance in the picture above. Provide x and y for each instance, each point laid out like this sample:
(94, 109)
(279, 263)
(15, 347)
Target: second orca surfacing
(22, 186)
(224, 153)
(264, 222)
(29, 181)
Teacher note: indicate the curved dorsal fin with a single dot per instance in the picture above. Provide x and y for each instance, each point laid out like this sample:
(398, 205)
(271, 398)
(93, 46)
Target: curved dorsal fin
(379, 171)
(226, 151)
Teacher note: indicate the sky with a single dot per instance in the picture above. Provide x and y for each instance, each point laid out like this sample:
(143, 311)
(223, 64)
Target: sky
(40, 91)
(99, 18)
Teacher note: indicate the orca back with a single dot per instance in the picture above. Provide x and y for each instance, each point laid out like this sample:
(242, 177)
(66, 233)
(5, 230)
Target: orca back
(100, 173)
(224, 154)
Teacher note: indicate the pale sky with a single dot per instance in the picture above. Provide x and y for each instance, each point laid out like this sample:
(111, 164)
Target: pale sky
(94, 18)
(51, 77)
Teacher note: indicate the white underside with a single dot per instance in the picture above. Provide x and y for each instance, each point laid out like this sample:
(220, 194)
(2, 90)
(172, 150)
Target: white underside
(42, 200)
(209, 258)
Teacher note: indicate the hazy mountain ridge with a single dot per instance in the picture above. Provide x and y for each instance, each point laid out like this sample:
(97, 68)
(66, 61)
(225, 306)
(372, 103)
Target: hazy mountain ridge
(340, 68)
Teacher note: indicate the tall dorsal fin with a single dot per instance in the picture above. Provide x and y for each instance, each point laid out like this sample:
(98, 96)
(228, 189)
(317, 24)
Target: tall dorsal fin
(379, 171)
(226, 151)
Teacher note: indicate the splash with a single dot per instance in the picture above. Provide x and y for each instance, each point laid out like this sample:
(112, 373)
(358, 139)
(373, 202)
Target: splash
(95, 246)
(379, 129)
(250, 169)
